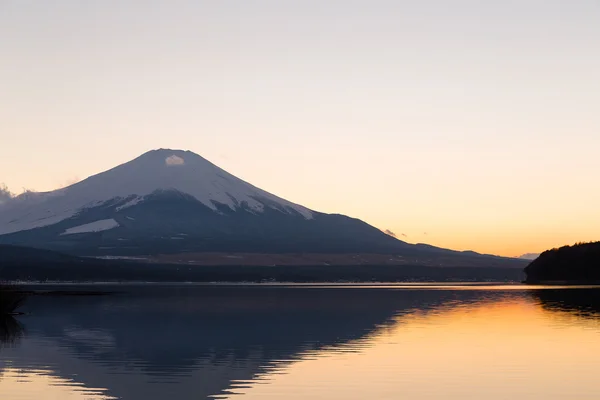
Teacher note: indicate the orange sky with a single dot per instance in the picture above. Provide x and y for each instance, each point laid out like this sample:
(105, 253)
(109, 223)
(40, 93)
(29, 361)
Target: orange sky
(469, 126)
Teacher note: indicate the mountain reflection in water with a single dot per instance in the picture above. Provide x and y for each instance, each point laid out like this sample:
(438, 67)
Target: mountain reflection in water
(195, 342)
(581, 302)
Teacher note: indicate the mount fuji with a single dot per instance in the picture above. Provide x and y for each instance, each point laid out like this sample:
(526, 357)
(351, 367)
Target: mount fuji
(169, 201)
(172, 202)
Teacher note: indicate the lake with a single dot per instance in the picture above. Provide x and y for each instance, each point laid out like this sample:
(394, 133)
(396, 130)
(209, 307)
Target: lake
(306, 342)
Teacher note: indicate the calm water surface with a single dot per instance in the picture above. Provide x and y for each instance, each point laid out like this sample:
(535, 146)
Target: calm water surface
(387, 342)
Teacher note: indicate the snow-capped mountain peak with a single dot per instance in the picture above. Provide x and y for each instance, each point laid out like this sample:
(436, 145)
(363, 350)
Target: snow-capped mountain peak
(154, 171)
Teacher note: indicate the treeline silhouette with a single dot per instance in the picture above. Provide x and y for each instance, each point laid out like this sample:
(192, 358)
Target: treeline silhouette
(579, 263)
(26, 264)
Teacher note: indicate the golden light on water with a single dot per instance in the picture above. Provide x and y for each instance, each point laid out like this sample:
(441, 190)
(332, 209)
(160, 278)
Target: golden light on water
(44, 384)
(493, 350)
(494, 342)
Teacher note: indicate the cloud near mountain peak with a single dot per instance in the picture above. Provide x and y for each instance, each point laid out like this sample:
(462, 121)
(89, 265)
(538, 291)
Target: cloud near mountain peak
(174, 160)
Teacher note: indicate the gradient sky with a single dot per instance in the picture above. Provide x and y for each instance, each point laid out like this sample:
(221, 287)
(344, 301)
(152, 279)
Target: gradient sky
(465, 124)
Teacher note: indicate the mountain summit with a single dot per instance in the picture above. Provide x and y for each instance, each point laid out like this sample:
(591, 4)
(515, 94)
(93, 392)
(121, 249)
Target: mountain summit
(130, 184)
(173, 201)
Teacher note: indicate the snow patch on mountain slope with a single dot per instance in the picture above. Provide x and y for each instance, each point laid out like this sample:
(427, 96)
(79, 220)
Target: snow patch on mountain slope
(96, 226)
(130, 203)
(151, 172)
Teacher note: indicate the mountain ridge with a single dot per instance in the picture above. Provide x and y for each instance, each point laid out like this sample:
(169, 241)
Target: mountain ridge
(173, 201)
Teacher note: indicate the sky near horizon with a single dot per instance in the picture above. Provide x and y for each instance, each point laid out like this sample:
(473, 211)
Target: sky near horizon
(460, 123)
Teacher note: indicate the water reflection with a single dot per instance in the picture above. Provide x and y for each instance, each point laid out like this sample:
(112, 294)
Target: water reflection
(270, 342)
(582, 302)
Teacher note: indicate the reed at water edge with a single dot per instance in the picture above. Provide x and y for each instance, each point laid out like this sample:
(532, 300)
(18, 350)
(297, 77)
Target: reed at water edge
(11, 298)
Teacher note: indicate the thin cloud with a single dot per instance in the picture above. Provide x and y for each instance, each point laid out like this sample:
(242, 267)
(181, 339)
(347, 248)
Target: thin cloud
(174, 160)
(5, 194)
(388, 232)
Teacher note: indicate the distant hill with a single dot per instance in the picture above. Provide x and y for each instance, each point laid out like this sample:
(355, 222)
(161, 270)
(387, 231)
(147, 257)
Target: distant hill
(25, 263)
(18, 256)
(529, 256)
(569, 264)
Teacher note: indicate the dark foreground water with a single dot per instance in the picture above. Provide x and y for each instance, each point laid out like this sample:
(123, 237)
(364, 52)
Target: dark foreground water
(394, 342)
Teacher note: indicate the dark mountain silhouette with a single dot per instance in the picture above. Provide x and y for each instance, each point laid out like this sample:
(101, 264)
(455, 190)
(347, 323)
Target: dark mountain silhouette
(571, 264)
